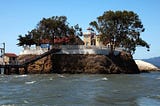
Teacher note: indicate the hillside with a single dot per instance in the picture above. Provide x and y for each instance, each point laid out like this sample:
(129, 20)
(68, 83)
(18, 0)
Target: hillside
(155, 61)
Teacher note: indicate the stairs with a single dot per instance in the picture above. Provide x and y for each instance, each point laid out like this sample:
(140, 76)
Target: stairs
(54, 50)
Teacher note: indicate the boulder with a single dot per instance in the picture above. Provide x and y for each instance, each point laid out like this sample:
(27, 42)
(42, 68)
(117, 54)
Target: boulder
(145, 66)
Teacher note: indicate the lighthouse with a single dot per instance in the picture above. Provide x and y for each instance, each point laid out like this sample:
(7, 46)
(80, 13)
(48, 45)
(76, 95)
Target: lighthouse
(90, 38)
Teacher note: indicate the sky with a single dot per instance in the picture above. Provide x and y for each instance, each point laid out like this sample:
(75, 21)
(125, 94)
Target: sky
(17, 17)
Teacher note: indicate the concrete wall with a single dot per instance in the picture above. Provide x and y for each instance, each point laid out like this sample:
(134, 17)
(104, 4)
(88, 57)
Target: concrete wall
(81, 49)
(72, 49)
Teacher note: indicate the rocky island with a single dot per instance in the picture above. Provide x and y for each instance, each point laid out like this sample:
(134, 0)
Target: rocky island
(83, 63)
(106, 52)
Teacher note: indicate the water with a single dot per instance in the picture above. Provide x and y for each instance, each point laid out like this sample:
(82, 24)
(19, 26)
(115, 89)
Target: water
(80, 90)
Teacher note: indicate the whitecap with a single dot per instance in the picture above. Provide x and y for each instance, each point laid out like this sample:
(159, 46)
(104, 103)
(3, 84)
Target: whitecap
(25, 101)
(158, 78)
(19, 76)
(62, 76)
(50, 78)
(100, 79)
(105, 79)
(31, 82)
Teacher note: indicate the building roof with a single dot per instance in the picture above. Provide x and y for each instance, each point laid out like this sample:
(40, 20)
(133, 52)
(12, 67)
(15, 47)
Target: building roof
(10, 55)
(74, 40)
(57, 40)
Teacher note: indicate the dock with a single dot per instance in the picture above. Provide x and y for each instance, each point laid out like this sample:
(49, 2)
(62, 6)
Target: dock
(8, 68)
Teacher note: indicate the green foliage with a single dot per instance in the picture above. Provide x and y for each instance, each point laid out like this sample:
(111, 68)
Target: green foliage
(49, 28)
(26, 40)
(120, 29)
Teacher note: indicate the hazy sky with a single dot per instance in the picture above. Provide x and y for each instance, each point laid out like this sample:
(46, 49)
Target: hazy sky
(20, 16)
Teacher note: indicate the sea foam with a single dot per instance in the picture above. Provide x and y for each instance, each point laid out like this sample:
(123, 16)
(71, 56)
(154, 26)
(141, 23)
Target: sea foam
(31, 82)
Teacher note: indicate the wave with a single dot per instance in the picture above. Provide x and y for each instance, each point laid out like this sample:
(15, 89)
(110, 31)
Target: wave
(99, 79)
(158, 78)
(31, 82)
(61, 76)
(148, 101)
(104, 79)
(20, 76)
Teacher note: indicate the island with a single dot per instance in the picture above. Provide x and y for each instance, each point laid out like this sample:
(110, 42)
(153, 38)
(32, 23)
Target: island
(105, 48)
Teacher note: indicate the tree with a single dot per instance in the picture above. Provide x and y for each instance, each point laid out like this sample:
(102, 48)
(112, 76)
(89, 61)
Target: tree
(35, 36)
(21, 40)
(48, 29)
(26, 40)
(120, 29)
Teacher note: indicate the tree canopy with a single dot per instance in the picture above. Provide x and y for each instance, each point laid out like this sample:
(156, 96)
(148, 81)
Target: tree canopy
(49, 28)
(120, 29)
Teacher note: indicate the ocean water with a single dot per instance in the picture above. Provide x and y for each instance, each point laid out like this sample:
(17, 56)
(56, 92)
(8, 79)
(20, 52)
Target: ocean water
(80, 90)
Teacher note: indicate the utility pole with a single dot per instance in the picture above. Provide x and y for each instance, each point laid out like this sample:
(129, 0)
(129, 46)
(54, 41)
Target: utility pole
(2, 55)
(3, 48)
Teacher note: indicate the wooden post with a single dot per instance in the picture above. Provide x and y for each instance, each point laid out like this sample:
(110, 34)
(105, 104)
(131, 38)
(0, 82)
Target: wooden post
(9, 70)
(26, 69)
(5, 70)
(17, 70)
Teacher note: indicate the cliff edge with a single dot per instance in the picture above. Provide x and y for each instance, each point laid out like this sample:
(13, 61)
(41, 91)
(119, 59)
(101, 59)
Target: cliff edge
(93, 63)
(84, 63)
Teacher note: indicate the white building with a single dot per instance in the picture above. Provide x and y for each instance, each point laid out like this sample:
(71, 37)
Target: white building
(92, 45)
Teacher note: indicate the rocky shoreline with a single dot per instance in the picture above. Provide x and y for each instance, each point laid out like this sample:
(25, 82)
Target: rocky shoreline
(84, 63)
(95, 64)
(87, 63)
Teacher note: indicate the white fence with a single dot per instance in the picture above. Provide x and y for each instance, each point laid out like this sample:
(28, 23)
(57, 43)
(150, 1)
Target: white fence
(82, 49)
(33, 50)
(72, 49)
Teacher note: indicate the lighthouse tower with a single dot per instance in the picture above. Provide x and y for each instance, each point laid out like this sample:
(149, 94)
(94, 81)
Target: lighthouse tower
(90, 38)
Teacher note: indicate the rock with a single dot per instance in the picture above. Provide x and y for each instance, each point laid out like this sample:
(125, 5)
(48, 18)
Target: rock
(94, 63)
(145, 66)
(84, 63)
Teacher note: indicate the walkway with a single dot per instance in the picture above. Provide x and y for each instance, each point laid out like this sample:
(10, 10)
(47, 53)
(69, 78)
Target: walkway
(25, 64)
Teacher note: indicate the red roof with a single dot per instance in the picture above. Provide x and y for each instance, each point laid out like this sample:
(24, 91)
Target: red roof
(61, 40)
(45, 41)
(10, 55)
(57, 40)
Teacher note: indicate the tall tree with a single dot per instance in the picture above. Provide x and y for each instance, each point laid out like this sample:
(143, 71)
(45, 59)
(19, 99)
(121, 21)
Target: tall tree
(25, 41)
(120, 29)
(21, 40)
(48, 29)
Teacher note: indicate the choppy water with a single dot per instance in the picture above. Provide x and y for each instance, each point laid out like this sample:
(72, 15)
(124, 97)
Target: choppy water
(80, 90)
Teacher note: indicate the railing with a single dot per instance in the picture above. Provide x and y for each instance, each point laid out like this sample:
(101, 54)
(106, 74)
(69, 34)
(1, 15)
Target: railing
(34, 50)
(81, 47)
(70, 47)
(38, 50)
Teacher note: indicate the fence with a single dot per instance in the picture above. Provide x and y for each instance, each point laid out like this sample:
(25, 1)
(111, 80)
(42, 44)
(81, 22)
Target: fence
(33, 50)
(71, 49)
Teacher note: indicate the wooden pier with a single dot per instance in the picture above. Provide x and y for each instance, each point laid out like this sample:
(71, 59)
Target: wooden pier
(8, 68)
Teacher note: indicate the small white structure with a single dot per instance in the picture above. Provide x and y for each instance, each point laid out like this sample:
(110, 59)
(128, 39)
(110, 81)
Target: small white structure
(37, 50)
